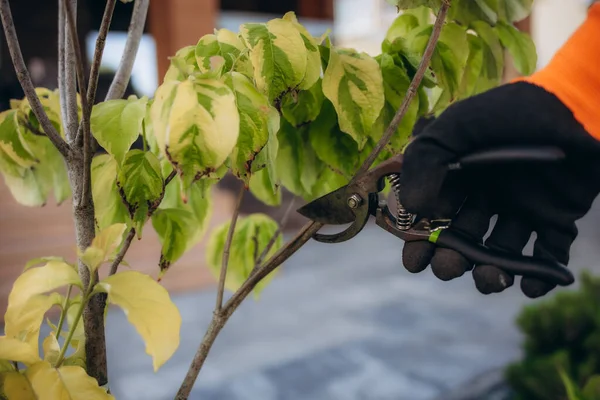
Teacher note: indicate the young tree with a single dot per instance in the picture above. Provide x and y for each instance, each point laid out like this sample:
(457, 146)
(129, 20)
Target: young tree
(271, 104)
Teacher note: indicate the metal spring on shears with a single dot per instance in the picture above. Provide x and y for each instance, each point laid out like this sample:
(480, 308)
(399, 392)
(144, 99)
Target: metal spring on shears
(403, 218)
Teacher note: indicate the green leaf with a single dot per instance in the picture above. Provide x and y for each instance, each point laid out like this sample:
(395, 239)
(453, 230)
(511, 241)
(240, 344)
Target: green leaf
(573, 392)
(141, 185)
(405, 4)
(278, 55)
(327, 182)
(103, 246)
(262, 188)
(467, 11)
(64, 383)
(450, 57)
(267, 157)
(196, 125)
(116, 124)
(335, 148)
(250, 238)
(313, 57)
(23, 319)
(297, 163)
(304, 106)
(520, 46)
(182, 65)
(12, 142)
(401, 26)
(226, 44)
(493, 54)
(174, 228)
(15, 350)
(396, 84)
(353, 83)
(473, 69)
(257, 117)
(514, 10)
(591, 390)
(43, 260)
(149, 309)
(108, 205)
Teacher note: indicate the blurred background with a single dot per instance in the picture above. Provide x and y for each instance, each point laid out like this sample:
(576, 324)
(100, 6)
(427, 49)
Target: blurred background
(344, 322)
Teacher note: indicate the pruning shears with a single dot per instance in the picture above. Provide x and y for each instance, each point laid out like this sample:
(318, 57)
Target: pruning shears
(360, 199)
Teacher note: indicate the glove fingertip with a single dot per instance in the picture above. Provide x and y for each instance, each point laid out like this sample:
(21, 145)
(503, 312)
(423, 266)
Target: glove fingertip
(448, 264)
(534, 288)
(416, 256)
(490, 279)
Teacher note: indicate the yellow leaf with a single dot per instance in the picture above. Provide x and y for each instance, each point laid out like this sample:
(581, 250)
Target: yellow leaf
(15, 350)
(103, 246)
(41, 280)
(64, 383)
(17, 387)
(51, 349)
(149, 309)
(23, 320)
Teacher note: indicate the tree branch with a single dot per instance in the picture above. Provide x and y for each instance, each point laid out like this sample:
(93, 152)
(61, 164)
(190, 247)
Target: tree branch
(25, 80)
(96, 62)
(134, 36)
(86, 107)
(412, 89)
(67, 79)
(219, 319)
(227, 249)
(273, 239)
(117, 261)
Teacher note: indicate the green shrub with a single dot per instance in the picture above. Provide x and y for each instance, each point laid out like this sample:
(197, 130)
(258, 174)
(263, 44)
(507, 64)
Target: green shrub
(561, 357)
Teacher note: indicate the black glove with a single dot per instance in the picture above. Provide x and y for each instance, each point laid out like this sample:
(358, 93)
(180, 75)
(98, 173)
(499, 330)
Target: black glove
(545, 198)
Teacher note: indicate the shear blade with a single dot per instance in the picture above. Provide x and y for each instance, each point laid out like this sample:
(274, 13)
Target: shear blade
(331, 209)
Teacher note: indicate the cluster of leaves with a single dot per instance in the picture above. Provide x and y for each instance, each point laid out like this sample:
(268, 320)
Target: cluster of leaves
(271, 104)
(58, 369)
(562, 346)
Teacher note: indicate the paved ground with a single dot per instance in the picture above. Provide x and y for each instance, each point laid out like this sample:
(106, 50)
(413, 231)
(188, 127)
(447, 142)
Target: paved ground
(342, 322)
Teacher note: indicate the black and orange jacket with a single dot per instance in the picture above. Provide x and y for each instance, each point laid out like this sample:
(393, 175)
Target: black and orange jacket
(573, 73)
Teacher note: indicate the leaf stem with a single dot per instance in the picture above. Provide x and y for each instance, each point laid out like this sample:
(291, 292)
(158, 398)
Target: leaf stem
(63, 312)
(84, 299)
(220, 319)
(117, 261)
(134, 36)
(24, 78)
(412, 89)
(227, 249)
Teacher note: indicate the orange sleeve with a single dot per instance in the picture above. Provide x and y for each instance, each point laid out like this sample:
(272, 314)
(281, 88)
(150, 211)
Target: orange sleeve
(573, 73)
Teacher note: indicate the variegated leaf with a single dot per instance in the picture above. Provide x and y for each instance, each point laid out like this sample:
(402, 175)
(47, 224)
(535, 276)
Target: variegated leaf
(354, 84)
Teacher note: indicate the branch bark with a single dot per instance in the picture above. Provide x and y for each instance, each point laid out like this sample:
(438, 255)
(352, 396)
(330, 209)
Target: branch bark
(227, 249)
(220, 319)
(412, 89)
(67, 82)
(25, 80)
(136, 30)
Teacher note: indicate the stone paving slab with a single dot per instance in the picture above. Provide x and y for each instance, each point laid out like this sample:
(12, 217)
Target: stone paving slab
(341, 322)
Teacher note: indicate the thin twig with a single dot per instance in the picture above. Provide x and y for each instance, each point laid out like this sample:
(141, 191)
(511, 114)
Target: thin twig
(412, 89)
(70, 78)
(97, 61)
(117, 261)
(227, 249)
(170, 177)
(134, 36)
(86, 107)
(25, 80)
(271, 243)
(62, 80)
(219, 320)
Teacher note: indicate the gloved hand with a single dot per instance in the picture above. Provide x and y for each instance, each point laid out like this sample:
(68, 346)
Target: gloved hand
(557, 106)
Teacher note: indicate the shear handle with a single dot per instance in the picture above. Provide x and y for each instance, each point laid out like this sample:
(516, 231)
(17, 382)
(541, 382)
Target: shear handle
(545, 270)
